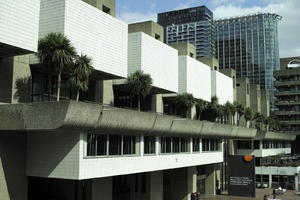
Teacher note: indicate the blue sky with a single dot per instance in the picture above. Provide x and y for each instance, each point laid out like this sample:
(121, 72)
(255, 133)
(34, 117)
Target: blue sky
(289, 42)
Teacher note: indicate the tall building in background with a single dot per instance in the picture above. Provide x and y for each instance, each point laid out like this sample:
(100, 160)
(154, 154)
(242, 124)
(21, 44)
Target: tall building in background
(249, 44)
(194, 25)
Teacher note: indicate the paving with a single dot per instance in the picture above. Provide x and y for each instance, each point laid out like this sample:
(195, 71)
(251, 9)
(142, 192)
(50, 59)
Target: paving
(289, 195)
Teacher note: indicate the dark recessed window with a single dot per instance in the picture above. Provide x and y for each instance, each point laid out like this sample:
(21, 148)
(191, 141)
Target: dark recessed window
(106, 9)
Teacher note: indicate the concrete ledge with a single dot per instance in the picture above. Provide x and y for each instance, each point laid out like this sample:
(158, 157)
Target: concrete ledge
(49, 116)
(269, 135)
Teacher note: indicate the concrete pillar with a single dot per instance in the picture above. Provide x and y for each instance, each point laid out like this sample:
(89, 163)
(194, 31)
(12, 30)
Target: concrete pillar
(192, 112)
(231, 147)
(15, 79)
(102, 189)
(157, 103)
(192, 181)
(156, 185)
(210, 181)
(297, 177)
(104, 92)
(270, 181)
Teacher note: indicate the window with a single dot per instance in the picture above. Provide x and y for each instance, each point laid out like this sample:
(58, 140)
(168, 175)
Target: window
(129, 145)
(157, 36)
(106, 9)
(184, 146)
(192, 55)
(96, 145)
(166, 143)
(176, 144)
(256, 144)
(115, 144)
(205, 144)
(244, 144)
(196, 144)
(149, 145)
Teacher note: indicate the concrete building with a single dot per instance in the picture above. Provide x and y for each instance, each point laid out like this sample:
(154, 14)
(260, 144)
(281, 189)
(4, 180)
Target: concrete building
(232, 74)
(287, 94)
(151, 28)
(255, 99)
(185, 49)
(265, 103)
(243, 91)
(193, 25)
(212, 62)
(89, 150)
(107, 6)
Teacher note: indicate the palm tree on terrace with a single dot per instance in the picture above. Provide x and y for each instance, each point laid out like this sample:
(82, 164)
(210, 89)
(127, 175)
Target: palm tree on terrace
(248, 115)
(187, 100)
(229, 111)
(241, 111)
(201, 105)
(80, 73)
(140, 85)
(56, 53)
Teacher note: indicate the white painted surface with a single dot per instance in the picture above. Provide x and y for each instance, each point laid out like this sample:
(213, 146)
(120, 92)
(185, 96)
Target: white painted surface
(19, 22)
(155, 58)
(92, 32)
(263, 152)
(194, 77)
(290, 171)
(221, 87)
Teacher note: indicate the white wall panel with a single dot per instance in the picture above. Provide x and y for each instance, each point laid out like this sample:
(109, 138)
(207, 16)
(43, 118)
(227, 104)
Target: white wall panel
(222, 87)
(195, 78)
(92, 32)
(19, 22)
(155, 58)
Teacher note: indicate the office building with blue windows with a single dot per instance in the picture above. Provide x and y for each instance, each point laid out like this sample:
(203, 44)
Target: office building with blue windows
(249, 44)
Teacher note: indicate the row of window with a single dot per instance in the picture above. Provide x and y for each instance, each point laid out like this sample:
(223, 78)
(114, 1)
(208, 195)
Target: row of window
(247, 144)
(118, 145)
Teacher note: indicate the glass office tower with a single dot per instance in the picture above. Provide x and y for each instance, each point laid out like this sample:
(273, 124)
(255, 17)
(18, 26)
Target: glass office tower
(249, 44)
(194, 25)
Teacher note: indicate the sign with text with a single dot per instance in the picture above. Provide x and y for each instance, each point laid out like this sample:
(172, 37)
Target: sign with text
(241, 174)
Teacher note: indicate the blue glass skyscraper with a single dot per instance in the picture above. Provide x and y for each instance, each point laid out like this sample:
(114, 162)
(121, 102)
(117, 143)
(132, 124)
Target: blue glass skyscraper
(249, 44)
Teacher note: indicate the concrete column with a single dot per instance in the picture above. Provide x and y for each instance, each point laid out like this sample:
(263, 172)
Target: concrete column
(231, 147)
(297, 177)
(157, 103)
(102, 189)
(192, 112)
(270, 181)
(192, 181)
(104, 92)
(156, 185)
(210, 181)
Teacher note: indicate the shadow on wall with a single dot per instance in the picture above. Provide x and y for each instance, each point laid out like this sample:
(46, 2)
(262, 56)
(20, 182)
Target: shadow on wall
(23, 90)
(12, 175)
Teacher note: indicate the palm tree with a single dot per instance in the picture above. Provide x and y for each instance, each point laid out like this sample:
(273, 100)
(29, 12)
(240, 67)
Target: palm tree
(201, 105)
(81, 71)
(241, 111)
(56, 52)
(248, 115)
(187, 100)
(140, 85)
(229, 110)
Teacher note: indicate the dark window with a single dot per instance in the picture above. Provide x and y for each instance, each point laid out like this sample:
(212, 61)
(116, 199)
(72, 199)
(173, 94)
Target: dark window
(196, 144)
(184, 147)
(115, 144)
(166, 143)
(96, 145)
(129, 145)
(205, 145)
(176, 144)
(157, 36)
(106, 9)
(256, 144)
(243, 144)
(149, 145)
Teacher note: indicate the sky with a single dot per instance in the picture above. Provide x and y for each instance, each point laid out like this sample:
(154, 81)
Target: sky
(132, 11)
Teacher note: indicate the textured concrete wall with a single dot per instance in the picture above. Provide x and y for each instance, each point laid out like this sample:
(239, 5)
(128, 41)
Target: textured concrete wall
(13, 182)
(149, 27)
(210, 181)
(243, 91)
(156, 185)
(212, 62)
(265, 103)
(185, 49)
(255, 103)
(232, 74)
(53, 155)
(104, 92)
(111, 4)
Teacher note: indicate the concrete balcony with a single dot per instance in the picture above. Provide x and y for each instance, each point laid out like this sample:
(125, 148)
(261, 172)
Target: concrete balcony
(289, 112)
(286, 83)
(263, 152)
(19, 22)
(290, 122)
(91, 31)
(287, 93)
(285, 103)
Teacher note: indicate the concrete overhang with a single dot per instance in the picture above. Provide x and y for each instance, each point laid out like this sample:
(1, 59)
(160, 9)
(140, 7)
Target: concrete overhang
(9, 51)
(51, 116)
(269, 135)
